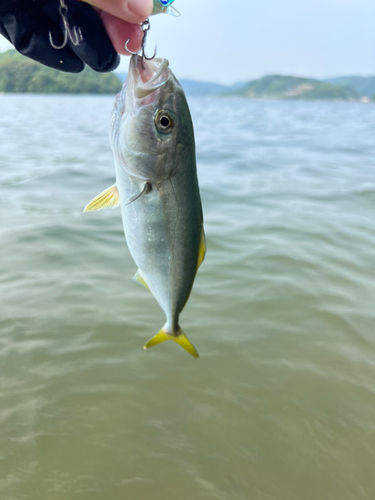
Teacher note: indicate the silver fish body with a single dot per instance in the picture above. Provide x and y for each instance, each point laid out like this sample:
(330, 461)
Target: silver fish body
(152, 139)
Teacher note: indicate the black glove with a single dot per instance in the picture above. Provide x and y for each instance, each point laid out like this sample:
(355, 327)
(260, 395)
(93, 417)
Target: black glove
(27, 24)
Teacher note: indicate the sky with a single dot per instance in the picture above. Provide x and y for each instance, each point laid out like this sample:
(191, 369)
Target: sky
(228, 42)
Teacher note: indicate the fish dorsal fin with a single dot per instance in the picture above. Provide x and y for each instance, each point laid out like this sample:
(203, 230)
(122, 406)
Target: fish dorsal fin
(179, 337)
(110, 198)
(140, 279)
(202, 249)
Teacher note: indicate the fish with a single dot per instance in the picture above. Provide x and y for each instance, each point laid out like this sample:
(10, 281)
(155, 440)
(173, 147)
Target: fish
(164, 7)
(152, 139)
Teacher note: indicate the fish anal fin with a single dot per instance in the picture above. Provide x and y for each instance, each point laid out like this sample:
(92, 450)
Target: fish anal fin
(110, 198)
(140, 279)
(202, 248)
(180, 338)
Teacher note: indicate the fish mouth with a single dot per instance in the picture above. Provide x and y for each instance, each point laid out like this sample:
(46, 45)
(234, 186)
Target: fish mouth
(148, 76)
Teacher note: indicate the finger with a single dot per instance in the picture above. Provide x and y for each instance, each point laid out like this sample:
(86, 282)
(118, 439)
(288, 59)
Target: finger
(132, 11)
(120, 32)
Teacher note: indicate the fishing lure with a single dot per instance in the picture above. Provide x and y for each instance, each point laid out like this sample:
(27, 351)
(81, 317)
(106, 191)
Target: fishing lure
(164, 7)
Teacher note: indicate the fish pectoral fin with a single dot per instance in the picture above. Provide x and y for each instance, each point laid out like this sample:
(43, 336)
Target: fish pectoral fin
(146, 189)
(180, 338)
(140, 279)
(202, 248)
(110, 198)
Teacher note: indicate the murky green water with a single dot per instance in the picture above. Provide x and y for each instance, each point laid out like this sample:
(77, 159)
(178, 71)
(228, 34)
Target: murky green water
(281, 405)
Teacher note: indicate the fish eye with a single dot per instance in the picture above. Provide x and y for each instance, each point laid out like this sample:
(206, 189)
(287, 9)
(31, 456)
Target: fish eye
(164, 122)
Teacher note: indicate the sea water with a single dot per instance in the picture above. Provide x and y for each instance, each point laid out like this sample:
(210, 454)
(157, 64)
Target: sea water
(281, 404)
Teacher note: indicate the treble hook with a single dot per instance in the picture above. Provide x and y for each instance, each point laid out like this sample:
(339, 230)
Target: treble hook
(75, 34)
(145, 28)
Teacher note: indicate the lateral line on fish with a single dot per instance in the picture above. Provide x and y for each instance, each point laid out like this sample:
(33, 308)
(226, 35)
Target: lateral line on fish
(178, 214)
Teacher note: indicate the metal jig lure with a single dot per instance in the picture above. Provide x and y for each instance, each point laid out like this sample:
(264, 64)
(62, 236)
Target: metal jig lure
(74, 35)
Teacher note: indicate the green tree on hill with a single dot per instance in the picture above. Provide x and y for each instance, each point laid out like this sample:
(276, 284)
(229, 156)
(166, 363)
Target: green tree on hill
(19, 74)
(291, 87)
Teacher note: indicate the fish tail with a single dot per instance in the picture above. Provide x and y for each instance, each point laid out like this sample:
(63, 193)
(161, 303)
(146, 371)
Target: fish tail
(179, 337)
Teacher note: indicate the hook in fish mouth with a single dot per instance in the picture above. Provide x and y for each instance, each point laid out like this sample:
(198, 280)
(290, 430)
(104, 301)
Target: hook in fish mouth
(148, 76)
(145, 28)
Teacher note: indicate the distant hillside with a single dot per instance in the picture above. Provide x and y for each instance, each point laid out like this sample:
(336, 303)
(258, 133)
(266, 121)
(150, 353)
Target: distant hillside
(364, 85)
(198, 89)
(20, 74)
(291, 87)
(195, 88)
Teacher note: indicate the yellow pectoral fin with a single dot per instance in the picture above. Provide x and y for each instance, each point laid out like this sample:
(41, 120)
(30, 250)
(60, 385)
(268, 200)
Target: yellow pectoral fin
(110, 198)
(180, 339)
(202, 249)
(140, 279)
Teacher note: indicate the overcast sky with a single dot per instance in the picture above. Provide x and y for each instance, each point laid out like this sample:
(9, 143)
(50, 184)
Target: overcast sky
(214, 41)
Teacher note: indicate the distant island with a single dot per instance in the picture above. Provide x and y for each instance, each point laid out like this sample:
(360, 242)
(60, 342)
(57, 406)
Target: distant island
(20, 74)
(345, 88)
(363, 85)
(293, 88)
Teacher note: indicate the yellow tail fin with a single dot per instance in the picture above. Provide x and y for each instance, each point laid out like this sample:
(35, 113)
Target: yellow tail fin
(180, 338)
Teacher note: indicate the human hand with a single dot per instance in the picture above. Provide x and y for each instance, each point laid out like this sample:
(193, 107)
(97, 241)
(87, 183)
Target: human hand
(121, 19)
(27, 26)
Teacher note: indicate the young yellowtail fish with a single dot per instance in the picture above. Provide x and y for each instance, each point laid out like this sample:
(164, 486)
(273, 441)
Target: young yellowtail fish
(165, 7)
(152, 139)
